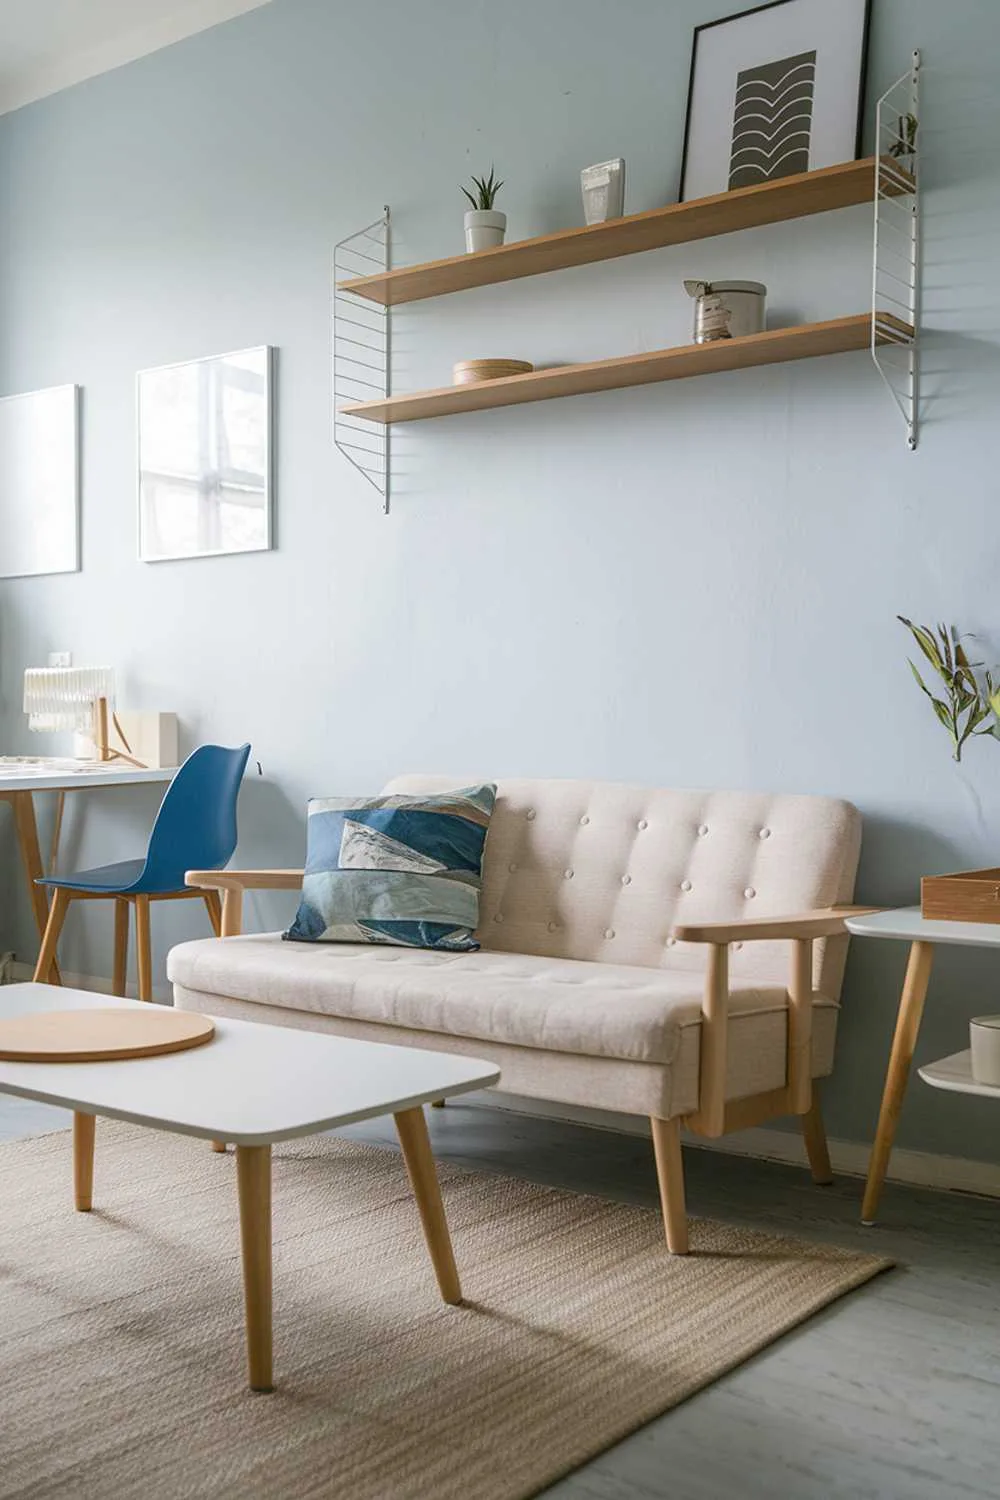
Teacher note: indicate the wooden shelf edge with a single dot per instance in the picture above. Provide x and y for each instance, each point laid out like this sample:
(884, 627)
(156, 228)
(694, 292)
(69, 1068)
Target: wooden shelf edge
(776, 346)
(774, 202)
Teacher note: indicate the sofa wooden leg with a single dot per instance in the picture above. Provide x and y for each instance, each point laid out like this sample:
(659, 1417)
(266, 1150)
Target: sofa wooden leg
(814, 1135)
(670, 1175)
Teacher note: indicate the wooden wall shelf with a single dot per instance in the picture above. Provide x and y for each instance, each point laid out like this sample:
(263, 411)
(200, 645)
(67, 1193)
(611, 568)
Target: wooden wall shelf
(744, 208)
(838, 336)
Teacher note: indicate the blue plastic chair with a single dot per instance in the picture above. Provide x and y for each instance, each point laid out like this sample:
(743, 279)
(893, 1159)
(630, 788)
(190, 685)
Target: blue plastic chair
(195, 829)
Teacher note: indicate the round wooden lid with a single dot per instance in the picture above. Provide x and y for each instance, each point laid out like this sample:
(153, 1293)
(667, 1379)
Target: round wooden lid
(100, 1035)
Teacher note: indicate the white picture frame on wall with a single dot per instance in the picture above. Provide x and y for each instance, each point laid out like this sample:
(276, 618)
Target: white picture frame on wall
(205, 456)
(774, 91)
(40, 482)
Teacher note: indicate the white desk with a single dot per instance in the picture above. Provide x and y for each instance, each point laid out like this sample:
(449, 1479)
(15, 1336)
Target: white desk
(21, 777)
(253, 1085)
(923, 935)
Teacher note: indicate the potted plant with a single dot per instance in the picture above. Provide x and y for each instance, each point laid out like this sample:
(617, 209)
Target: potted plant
(904, 147)
(484, 225)
(970, 701)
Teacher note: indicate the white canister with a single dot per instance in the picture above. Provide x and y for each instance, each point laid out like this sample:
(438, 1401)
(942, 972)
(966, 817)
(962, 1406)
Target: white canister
(727, 309)
(984, 1043)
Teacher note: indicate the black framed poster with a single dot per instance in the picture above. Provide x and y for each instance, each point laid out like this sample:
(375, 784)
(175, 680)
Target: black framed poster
(774, 91)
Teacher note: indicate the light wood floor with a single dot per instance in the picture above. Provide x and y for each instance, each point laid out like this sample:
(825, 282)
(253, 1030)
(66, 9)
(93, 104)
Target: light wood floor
(893, 1394)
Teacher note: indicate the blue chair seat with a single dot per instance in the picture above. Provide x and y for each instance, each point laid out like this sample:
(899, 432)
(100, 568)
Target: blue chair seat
(115, 878)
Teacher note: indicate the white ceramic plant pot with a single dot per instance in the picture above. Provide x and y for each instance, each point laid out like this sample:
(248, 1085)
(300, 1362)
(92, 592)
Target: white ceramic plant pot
(484, 228)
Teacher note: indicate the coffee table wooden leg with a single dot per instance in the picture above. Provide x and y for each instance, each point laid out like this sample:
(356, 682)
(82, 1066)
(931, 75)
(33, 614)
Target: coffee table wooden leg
(253, 1174)
(83, 1161)
(411, 1127)
(911, 1010)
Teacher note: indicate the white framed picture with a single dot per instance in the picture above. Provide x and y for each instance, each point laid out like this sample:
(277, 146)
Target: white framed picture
(205, 460)
(40, 482)
(774, 91)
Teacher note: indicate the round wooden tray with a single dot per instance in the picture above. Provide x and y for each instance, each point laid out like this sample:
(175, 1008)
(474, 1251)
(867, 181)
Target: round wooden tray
(100, 1035)
(471, 371)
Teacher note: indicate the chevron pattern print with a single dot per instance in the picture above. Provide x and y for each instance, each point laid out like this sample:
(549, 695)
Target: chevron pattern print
(772, 120)
(395, 869)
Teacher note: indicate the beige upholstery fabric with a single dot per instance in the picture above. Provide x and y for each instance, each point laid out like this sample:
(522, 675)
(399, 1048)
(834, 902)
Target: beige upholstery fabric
(757, 1044)
(556, 1004)
(579, 992)
(593, 870)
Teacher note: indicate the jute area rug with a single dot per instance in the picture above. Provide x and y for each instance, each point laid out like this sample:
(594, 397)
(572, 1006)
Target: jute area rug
(121, 1340)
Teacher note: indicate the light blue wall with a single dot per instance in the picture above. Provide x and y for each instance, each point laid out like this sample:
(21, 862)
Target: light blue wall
(690, 584)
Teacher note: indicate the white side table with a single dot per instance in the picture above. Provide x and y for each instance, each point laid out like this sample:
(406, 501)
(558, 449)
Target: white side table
(954, 1074)
(923, 937)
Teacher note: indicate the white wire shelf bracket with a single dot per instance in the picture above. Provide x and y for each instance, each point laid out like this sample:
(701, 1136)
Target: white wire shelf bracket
(362, 352)
(896, 245)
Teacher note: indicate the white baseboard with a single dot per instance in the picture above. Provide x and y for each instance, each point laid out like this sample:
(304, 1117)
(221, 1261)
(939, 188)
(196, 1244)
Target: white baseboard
(850, 1158)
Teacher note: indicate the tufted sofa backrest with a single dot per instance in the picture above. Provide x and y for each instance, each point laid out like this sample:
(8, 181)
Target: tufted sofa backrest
(595, 870)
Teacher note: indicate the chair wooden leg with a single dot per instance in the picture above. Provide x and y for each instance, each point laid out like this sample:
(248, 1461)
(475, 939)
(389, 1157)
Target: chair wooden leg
(143, 948)
(83, 1162)
(50, 941)
(814, 1135)
(120, 976)
(670, 1176)
(213, 904)
(411, 1127)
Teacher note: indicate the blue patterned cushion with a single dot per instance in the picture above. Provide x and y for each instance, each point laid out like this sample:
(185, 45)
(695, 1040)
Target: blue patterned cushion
(403, 870)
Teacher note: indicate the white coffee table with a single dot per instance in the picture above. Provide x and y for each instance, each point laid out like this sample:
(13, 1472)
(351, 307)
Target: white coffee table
(253, 1085)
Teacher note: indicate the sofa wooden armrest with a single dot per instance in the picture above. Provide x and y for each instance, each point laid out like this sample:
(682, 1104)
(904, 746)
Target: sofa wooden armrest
(714, 1116)
(806, 924)
(232, 884)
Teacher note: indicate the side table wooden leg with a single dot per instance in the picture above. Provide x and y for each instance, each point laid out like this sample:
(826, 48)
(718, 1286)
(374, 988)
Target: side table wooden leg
(911, 1010)
(83, 1161)
(411, 1126)
(253, 1174)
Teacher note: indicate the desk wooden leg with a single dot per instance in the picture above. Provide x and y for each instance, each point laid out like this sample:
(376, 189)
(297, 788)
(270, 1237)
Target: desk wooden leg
(911, 1010)
(31, 859)
(411, 1126)
(253, 1174)
(83, 1161)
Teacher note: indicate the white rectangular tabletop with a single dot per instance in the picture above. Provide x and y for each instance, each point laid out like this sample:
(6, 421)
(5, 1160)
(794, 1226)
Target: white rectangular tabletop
(954, 1074)
(907, 923)
(49, 775)
(250, 1085)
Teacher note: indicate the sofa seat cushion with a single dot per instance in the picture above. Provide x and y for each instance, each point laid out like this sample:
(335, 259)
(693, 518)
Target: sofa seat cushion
(577, 1006)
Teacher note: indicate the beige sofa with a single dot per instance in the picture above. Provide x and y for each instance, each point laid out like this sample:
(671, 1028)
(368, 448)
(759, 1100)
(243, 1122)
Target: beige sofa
(667, 953)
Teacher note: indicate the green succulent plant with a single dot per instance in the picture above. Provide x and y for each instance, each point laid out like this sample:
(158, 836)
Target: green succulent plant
(486, 189)
(971, 702)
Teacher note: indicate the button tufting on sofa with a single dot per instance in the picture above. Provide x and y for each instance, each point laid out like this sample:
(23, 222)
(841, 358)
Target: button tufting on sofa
(685, 885)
